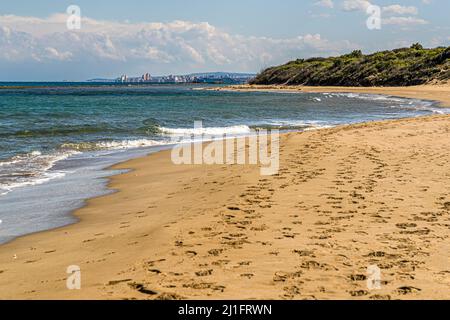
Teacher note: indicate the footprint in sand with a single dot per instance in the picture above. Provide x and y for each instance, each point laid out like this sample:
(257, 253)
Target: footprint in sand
(204, 273)
(141, 288)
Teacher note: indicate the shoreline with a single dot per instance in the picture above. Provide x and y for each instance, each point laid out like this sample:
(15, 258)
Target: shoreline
(439, 93)
(155, 231)
(98, 177)
(245, 88)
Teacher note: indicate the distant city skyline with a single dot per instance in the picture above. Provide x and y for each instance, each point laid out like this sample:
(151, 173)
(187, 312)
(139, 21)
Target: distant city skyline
(182, 37)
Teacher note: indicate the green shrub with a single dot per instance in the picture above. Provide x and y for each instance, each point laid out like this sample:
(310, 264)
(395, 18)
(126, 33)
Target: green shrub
(404, 66)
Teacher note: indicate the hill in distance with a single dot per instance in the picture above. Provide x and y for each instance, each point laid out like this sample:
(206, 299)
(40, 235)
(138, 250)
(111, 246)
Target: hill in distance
(400, 67)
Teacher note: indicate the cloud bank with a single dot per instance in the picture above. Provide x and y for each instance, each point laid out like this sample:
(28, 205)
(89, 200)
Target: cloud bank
(30, 44)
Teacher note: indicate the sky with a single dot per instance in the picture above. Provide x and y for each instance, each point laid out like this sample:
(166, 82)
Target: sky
(43, 41)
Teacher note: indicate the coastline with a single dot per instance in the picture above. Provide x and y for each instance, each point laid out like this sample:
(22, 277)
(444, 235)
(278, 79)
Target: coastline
(438, 92)
(128, 246)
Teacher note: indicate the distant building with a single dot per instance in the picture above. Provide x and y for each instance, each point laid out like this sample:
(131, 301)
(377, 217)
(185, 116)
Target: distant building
(146, 77)
(123, 78)
(213, 77)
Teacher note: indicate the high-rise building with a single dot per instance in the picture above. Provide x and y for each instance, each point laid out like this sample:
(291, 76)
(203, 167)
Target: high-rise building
(123, 78)
(146, 77)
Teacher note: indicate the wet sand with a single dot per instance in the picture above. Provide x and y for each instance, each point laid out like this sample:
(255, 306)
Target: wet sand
(345, 198)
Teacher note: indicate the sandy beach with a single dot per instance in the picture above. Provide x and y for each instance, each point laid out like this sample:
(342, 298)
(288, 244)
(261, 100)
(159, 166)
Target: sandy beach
(437, 92)
(344, 199)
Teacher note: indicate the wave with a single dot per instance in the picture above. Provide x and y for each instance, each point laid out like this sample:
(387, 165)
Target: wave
(245, 129)
(409, 104)
(30, 169)
(232, 130)
(425, 106)
(35, 168)
(292, 125)
(63, 131)
(112, 145)
(364, 96)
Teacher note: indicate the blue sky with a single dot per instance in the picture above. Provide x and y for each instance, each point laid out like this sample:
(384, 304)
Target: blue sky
(176, 36)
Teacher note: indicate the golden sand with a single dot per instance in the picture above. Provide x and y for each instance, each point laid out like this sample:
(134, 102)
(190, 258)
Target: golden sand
(345, 198)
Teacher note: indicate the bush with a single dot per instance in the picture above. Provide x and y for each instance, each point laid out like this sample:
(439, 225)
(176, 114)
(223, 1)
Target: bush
(417, 46)
(405, 66)
(356, 54)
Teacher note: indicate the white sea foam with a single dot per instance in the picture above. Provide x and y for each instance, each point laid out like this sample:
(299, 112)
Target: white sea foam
(242, 130)
(424, 106)
(364, 96)
(36, 168)
(420, 105)
(129, 144)
(44, 177)
(232, 130)
(113, 145)
(30, 169)
(299, 124)
(402, 103)
(318, 127)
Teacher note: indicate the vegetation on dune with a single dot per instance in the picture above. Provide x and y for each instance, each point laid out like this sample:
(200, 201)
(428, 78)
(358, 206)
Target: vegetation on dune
(400, 67)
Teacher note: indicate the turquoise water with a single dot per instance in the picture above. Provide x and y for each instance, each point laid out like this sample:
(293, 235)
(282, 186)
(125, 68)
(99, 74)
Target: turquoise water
(52, 133)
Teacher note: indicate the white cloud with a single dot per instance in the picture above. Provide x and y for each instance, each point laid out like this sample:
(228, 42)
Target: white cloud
(325, 3)
(355, 5)
(175, 45)
(362, 5)
(404, 21)
(388, 12)
(52, 53)
(321, 15)
(15, 45)
(398, 9)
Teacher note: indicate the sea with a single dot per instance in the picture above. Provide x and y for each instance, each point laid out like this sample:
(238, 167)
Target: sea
(58, 140)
